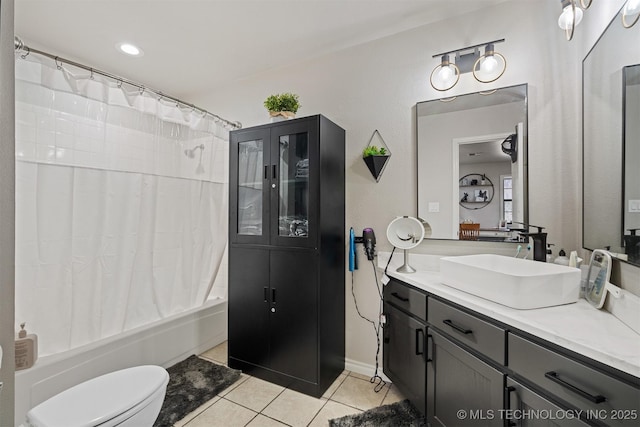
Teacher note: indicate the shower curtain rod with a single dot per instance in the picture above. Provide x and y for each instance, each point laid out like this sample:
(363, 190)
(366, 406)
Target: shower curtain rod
(18, 45)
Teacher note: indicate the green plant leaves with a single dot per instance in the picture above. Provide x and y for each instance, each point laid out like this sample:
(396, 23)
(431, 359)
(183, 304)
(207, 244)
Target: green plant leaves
(372, 150)
(282, 102)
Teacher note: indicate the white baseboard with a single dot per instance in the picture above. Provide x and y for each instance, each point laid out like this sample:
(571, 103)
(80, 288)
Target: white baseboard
(364, 369)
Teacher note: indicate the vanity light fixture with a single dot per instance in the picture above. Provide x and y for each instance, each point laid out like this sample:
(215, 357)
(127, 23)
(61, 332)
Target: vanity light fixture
(486, 68)
(630, 13)
(490, 66)
(571, 15)
(446, 75)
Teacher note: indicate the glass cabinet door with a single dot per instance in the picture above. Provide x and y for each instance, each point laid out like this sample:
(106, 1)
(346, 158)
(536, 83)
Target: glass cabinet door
(291, 151)
(249, 223)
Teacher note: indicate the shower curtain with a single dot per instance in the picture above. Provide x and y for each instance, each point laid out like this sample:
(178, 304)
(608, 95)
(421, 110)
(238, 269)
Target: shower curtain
(121, 205)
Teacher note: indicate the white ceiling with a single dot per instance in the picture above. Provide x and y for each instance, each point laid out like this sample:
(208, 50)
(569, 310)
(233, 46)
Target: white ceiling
(483, 152)
(196, 45)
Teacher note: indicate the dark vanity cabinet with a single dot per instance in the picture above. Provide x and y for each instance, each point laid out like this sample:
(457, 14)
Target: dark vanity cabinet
(424, 359)
(601, 398)
(287, 252)
(462, 368)
(404, 341)
(459, 381)
(465, 371)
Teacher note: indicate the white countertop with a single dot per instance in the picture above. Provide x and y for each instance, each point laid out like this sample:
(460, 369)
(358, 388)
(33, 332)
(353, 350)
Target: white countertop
(579, 327)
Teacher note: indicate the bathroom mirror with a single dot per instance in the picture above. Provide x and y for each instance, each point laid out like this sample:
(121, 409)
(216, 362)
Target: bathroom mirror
(472, 164)
(611, 143)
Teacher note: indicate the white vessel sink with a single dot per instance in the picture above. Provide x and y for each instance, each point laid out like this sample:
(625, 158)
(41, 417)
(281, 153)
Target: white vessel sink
(514, 282)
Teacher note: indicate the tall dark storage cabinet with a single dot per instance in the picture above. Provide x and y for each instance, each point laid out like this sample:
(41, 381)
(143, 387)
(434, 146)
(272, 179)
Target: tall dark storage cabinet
(287, 252)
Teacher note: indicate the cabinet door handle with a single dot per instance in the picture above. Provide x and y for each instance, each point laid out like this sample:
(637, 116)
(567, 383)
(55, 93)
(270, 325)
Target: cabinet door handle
(395, 295)
(507, 398)
(553, 376)
(273, 295)
(266, 172)
(419, 347)
(266, 290)
(429, 348)
(456, 327)
(273, 171)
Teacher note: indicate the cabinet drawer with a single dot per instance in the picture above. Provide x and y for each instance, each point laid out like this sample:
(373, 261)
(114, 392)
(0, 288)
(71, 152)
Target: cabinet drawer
(519, 397)
(468, 329)
(575, 383)
(410, 300)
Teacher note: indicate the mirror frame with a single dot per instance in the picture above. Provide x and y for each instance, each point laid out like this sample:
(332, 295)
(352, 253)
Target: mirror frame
(523, 155)
(619, 163)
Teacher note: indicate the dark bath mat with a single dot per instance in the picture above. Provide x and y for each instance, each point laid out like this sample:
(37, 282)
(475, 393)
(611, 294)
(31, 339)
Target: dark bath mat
(192, 382)
(400, 414)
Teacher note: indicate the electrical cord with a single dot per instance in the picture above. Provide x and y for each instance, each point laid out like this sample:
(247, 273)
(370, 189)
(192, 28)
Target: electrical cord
(389, 260)
(377, 327)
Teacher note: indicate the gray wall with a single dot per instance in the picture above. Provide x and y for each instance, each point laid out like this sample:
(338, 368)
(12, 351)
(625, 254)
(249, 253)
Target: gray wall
(7, 220)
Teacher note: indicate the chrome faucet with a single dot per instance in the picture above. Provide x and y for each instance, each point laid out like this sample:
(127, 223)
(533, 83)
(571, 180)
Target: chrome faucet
(539, 241)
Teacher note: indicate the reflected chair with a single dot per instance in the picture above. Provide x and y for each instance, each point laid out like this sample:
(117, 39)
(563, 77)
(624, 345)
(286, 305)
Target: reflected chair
(469, 231)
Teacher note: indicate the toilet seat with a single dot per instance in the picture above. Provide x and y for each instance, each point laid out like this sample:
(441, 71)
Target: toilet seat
(103, 401)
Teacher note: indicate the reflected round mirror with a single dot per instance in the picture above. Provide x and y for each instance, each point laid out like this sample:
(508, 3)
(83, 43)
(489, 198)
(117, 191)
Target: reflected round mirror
(611, 143)
(472, 165)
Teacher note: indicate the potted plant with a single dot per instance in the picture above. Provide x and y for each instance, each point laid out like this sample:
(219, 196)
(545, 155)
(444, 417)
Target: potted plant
(282, 106)
(375, 159)
(373, 150)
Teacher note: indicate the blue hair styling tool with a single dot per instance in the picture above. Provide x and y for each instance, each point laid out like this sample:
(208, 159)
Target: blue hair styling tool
(353, 261)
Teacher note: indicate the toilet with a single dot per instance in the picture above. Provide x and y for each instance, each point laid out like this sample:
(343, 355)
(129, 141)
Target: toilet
(129, 397)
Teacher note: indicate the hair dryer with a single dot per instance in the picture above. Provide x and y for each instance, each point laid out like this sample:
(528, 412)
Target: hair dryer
(369, 240)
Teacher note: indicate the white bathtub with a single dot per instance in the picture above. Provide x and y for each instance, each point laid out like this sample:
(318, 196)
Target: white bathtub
(162, 343)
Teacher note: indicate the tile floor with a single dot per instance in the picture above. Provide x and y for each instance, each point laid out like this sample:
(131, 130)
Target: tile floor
(253, 402)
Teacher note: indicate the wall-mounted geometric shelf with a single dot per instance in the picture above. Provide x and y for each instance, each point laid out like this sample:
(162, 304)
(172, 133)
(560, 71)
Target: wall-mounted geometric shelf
(479, 183)
(377, 162)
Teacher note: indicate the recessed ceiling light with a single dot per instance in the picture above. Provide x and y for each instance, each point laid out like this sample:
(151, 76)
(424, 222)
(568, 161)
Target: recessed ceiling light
(129, 49)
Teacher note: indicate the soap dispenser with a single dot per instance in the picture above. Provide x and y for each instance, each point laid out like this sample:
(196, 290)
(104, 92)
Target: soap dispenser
(26, 349)
(562, 258)
(550, 256)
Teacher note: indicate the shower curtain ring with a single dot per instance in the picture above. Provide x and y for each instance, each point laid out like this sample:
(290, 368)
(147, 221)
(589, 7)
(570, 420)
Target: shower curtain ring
(24, 55)
(141, 90)
(91, 75)
(119, 83)
(58, 66)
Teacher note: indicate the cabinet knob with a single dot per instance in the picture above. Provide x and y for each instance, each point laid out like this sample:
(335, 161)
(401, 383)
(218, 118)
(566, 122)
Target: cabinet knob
(273, 186)
(273, 309)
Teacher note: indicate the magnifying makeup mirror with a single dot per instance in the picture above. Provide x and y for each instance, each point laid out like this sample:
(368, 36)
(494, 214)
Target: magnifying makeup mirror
(405, 233)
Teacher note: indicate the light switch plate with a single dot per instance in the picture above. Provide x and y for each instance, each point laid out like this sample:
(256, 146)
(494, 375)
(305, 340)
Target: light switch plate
(634, 205)
(434, 207)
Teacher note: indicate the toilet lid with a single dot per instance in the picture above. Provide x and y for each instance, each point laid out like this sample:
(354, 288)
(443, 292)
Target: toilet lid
(100, 399)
